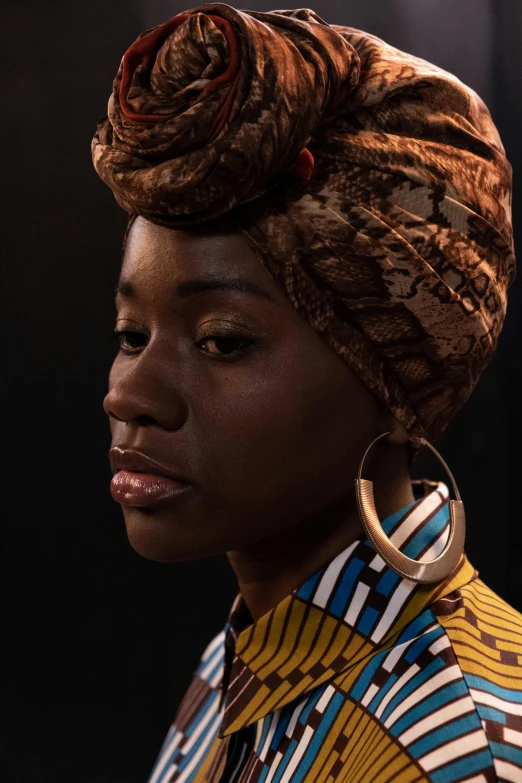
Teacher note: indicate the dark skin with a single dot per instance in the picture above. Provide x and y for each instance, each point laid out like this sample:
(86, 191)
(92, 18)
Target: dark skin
(239, 394)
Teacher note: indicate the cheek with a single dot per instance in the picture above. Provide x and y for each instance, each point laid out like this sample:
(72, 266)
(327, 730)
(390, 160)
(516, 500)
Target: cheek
(287, 442)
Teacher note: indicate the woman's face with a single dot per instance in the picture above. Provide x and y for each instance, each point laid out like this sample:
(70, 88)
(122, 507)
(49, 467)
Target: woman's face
(220, 381)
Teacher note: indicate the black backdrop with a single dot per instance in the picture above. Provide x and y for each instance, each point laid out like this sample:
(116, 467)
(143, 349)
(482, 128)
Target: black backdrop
(99, 644)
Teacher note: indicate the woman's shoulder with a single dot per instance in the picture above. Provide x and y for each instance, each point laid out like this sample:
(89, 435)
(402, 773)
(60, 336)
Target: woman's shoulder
(485, 633)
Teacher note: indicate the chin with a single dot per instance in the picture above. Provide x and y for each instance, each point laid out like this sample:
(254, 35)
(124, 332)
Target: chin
(167, 540)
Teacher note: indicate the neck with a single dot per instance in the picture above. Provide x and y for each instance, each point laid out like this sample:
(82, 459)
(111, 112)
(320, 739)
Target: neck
(269, 570)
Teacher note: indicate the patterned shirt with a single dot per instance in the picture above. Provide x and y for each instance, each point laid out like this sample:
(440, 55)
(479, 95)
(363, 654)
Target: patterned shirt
(360, 676)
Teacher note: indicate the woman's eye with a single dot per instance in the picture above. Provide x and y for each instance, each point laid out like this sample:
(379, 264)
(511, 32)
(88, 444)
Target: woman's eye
(225, 344)
(130, 340)
(215, 344)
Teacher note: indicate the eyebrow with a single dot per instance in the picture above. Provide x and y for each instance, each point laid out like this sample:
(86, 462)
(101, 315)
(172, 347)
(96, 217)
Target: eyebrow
(199, 286)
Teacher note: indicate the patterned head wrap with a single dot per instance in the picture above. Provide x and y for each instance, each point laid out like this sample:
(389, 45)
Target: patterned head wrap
(372, 184)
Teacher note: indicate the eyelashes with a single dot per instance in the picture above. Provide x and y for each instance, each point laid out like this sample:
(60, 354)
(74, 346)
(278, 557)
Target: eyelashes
(225, 344)
(124, 335)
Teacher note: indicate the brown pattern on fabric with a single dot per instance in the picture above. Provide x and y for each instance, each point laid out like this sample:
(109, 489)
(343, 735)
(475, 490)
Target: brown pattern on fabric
(372, 184)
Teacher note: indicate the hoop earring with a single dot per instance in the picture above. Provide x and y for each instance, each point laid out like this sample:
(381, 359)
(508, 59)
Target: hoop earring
(432, 571)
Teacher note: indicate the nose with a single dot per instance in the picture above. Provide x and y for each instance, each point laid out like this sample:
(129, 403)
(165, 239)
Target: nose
(144, 392)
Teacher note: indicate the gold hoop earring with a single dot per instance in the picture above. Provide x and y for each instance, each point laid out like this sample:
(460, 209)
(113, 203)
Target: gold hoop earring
(433, 571)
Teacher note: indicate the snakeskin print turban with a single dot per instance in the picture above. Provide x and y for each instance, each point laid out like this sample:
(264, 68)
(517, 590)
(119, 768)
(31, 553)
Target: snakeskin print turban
(372, 184)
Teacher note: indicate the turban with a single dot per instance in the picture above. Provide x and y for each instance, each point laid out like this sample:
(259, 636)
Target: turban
(372, 184)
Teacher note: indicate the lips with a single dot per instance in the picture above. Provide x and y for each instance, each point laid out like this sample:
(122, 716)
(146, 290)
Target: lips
(122, 458)
(141, 481)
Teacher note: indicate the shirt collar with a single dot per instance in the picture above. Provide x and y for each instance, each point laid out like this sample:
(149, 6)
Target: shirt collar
(337, 618)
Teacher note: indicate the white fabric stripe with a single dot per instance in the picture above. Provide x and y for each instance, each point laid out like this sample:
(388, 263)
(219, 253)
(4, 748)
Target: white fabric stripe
(357, 603)
(438, 680)
(259, 730)
(201, 752)
(325, 698)
(370, 693)
(232, 682)
(327, 583)
(513, 737)
(241, 691)
(213, 645)
(396, 652)
(450, 600)
(439, 644)
(377, 563)
(271, 731)
(162, 761)
(403, 679)
(295, 716)
(418, 515)
(218, 676)
(475, 779)
(212, 661)
(452, 750)
(298, 754)
(443, 490)
(507, 771)
(187, 747)
(437, 718)
(171, 733)
(437, 546)
(394, 606)
(482, 697)
(273, 767)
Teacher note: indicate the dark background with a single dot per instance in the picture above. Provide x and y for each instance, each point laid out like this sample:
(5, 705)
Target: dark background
(98, 643)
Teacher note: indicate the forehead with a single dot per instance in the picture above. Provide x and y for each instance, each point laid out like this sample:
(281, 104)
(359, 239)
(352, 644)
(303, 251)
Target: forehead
(172, 255)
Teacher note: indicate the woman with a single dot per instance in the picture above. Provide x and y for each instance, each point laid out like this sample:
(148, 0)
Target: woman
(314, 277)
